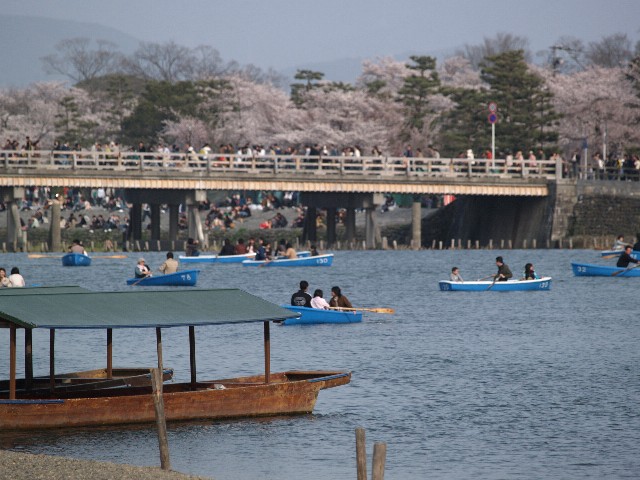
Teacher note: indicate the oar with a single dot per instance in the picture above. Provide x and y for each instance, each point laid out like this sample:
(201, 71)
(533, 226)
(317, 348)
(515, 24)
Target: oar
(492, 283)
(621, 272)
(139, 280)
(484, 278)
(375, 310)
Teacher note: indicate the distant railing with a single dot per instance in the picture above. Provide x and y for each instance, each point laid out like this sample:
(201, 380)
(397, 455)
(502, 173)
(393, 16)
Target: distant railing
(217, 163)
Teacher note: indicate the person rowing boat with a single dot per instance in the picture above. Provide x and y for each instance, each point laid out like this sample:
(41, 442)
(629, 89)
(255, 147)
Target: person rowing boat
(142, 270)
(625, 258)
(338, 299)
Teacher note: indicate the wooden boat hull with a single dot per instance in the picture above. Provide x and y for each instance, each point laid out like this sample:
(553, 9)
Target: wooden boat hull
(88, 380)
(183, 278)
(591, 270)
(543, 283)
(310, 316)
(217, 258)
(325, 260)
(76, 260)
(288, 393)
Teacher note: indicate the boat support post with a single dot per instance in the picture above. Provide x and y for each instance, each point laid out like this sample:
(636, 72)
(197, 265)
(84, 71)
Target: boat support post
(192, 355)
(159, 347)
(267, 352)
(12, 362)
(28, 358)
(109, 352)
(52, 359)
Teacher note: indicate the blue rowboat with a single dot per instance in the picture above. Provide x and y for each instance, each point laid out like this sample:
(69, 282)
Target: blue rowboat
(217, 258)
(318, 261)
(591, 270)
(76, 260)
(617, 253)
(311, 316)
(543, 283)
(183, 278)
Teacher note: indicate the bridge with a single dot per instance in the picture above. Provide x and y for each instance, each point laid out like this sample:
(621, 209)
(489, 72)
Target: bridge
(323, 181)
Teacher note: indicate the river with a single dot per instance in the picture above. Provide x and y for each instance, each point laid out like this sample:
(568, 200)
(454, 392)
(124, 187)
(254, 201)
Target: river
(482, 385)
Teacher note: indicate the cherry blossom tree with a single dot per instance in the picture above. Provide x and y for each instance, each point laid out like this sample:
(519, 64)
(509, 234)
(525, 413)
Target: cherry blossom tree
(595, 102)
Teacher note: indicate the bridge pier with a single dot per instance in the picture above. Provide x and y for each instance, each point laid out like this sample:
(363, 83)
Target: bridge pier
(350, 225)
(331, 226)
(416, 224)
(349, 201)
(12, 198)
(310, 229)
(157, 197)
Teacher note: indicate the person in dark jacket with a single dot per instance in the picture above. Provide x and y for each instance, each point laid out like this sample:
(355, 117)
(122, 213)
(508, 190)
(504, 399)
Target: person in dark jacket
(504, 272)
(625, 258)
(301, 298)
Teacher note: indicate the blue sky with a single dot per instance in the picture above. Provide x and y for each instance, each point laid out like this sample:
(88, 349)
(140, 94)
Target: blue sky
(283, 33)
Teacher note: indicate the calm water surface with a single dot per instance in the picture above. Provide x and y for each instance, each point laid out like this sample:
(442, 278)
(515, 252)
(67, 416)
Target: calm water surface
(459, 385)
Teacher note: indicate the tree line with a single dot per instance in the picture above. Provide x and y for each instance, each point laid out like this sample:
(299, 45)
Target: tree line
(580, 95)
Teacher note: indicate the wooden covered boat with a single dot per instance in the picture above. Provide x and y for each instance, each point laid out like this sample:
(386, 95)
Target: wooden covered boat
(543, 283)
(263, 394)
(592, 270)
(76, 260)
(318, 261)
(309, 316)
(183, 278)
(217, 258)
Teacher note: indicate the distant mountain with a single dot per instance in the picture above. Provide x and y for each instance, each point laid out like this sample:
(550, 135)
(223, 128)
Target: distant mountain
(25, 40)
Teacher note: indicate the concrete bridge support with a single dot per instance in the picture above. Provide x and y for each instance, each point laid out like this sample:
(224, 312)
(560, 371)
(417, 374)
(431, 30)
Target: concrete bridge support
(155, 198)
(55, 238)
(416, 224)
(349, 201)
(331, 226)
(350, 225)
(310, 229)
(12, 198)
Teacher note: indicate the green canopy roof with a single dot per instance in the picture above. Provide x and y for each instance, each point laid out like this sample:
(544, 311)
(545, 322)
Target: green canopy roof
(74, 307)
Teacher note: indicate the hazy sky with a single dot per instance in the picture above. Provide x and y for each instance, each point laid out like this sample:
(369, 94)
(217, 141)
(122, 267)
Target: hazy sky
(282, 33)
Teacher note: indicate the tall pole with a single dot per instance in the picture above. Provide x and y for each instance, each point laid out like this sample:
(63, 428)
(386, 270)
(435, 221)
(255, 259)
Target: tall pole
(493, 143)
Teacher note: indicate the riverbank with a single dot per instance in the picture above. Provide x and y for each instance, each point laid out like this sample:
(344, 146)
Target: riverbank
(27, 466)
(393, 224)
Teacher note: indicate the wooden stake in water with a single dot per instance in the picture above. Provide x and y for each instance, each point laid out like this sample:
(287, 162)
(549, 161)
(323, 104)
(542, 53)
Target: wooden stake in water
(361, 454)
(379, 460)
(158, 404)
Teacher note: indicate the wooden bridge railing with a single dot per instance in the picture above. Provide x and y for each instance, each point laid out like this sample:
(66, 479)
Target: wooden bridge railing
(188, 164)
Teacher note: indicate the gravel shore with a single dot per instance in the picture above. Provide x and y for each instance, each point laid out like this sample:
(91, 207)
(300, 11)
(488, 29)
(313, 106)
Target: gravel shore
(26, 466)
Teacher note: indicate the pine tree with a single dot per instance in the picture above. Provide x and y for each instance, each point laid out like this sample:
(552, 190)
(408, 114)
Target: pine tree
(526, 116)
(416, 90)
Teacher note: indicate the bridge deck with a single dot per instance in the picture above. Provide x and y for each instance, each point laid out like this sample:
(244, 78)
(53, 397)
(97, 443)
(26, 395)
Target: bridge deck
(289, 173)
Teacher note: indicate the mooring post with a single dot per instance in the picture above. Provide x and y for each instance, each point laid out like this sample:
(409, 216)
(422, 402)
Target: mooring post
(379, 460)
(361, 454)
(161, 423)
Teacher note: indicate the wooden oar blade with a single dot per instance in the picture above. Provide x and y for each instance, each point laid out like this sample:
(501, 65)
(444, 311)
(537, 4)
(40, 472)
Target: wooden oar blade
(380, 310)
